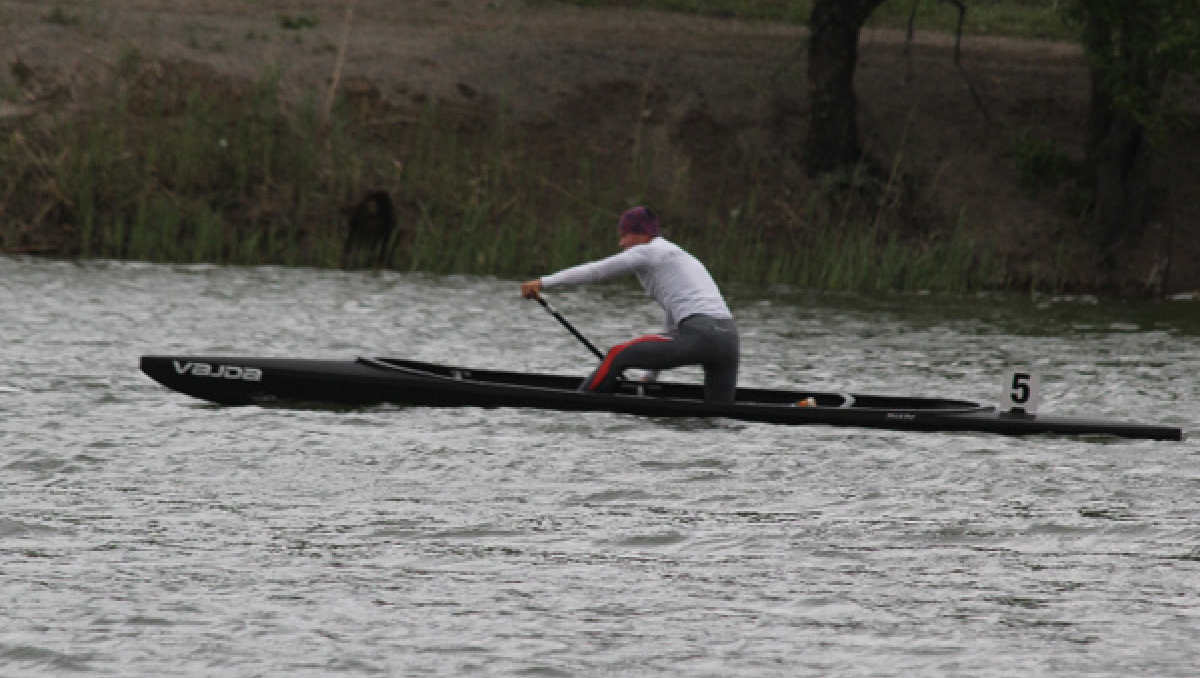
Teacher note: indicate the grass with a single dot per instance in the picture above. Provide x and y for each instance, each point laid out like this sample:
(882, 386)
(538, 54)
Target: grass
(1038, 19)
(59, 16)
(202, 37)
(91, 16)
(297, 23)
(198, 170)
(842, 256)
(1015, 18)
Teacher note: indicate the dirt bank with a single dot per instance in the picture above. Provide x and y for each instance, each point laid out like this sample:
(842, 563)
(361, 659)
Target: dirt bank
(715, 108)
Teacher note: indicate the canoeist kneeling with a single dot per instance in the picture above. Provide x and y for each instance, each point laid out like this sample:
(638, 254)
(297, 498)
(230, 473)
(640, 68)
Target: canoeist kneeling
(699, 327)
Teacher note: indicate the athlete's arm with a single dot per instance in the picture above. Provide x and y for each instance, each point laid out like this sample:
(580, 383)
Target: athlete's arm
(625, 263)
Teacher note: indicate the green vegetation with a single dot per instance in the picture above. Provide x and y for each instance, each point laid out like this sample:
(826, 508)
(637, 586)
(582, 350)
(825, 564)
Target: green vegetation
(297, 23)
(847, 257)
(1039, 19)
(1135, 47)
(1016, 18)
(1041, 164)
(202, 37)
(198, 170)
(1140, 53)
(59, 16)
(174, 174)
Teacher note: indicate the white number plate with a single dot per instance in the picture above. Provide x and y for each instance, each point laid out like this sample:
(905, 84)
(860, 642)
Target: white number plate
(1022, 391)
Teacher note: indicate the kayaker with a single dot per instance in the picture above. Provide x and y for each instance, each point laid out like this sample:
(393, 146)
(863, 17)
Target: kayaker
(699, 327)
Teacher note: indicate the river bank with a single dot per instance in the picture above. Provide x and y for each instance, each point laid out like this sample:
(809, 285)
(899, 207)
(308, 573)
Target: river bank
(510, 134)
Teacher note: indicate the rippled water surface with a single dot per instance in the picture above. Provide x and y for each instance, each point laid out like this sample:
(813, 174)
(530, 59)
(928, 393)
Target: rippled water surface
(143, 533)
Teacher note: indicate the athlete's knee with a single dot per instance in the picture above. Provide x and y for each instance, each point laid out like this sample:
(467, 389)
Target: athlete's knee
(605, 377)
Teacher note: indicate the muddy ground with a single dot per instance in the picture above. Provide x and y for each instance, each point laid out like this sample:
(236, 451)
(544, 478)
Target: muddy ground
(719, 102)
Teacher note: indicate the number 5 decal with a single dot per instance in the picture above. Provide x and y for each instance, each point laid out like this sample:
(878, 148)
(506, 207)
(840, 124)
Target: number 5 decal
(1022, 391)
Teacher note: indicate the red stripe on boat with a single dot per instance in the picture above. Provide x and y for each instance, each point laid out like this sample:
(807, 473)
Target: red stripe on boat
(612, 354)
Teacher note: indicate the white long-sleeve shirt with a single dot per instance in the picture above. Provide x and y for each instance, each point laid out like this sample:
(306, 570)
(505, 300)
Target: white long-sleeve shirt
(671, 276)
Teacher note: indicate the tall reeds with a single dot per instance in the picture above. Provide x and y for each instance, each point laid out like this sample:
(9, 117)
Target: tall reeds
(199, 170)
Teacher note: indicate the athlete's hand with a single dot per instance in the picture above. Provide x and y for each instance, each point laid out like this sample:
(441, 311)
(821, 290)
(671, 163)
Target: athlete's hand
(530, 289)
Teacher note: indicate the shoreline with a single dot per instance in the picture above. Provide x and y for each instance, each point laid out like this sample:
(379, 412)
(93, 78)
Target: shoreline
(489, 119)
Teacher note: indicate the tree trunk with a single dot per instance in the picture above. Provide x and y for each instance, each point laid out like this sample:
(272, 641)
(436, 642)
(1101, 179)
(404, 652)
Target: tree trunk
(1116, 170)
(1118, 156)
(833, 142)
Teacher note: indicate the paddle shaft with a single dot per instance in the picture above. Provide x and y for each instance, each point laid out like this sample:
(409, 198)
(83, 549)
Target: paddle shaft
(571, 328)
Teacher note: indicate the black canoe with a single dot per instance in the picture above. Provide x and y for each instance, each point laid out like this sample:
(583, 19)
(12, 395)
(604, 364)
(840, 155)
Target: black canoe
(368, 381)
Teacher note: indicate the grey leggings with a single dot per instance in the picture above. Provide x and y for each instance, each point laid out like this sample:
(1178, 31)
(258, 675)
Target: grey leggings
(699, 340)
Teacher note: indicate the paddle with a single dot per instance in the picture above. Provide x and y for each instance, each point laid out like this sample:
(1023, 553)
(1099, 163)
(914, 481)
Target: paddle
(571, 328)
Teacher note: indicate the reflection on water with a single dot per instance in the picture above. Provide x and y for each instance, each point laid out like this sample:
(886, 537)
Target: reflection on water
(141, 530)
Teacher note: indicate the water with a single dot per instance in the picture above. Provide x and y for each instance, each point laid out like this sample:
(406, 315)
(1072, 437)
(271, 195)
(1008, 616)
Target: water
(146, 534)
